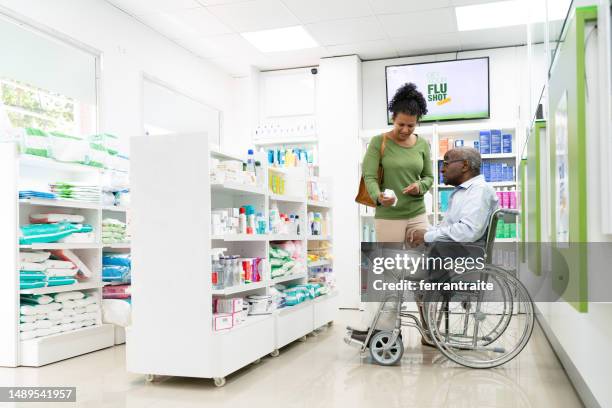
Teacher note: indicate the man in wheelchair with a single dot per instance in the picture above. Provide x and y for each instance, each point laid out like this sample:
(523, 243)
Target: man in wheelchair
(463, 232)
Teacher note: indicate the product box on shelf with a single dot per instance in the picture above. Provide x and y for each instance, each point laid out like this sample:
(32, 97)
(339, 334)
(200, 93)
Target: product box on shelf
(232, 305)
(485, 142)
(507, 143)
(496, 141)
(222, 321)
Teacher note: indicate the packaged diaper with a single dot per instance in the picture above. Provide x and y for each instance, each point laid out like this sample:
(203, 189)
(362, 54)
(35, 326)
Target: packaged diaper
(66, 148)
(35, 142)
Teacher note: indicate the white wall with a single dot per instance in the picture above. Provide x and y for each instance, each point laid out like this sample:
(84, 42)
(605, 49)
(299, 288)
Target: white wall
(508, 81)
(129, 48)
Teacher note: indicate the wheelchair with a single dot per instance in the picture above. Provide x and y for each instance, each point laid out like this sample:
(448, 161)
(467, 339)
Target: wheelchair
(474, 328)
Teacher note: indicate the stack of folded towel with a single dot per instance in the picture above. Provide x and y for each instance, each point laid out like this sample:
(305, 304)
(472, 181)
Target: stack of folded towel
(70, 190)
(43, 315)
(113, 231)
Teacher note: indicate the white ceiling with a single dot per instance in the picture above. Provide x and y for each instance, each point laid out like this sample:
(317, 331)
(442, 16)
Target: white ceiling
(372, 29)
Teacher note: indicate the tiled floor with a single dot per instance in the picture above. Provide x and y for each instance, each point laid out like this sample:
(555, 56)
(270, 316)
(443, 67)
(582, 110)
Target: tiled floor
(322, 372)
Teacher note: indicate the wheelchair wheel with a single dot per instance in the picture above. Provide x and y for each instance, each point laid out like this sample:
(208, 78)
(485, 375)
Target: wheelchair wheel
(481, 329)
(383, 352)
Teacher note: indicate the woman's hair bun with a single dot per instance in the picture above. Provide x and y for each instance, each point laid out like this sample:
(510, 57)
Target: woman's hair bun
(408, 100)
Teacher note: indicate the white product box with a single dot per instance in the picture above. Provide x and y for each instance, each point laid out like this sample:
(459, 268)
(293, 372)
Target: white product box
(232, 305)
(222, 321)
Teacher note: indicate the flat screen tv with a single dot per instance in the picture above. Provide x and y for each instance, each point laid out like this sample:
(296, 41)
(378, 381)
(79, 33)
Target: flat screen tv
(454, 90)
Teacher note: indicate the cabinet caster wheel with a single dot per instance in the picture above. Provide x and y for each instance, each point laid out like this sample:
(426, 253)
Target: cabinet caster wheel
(275, 353)
(330, 324)
(149, 378)
(303, 339)
(219, 381)
(257, 361)
(314, 334)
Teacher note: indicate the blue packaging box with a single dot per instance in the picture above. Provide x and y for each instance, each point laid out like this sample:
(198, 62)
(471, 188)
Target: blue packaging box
(477, 145)
(485, 142)
(504, 173)
(496, 141)
(486, 170)
(507, 143)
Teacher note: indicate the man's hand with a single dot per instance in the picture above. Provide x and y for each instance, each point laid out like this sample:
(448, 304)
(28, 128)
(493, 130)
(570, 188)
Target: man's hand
(384, 201)
(417, 238)
(413, 189)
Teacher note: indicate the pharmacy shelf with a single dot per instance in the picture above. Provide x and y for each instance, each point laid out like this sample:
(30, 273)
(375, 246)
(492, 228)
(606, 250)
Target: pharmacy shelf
(240, 237)
(217, 355)
(59, 203)
(286, 141)
(118, 245)
(286, 198)
(285, 237)
(62, 288)
(33, 170)
(323, 262)
(50, 164)
(245, 287)
(320, 204)
(288, 278)
(319, 237)
(239, 188)
(57, 245)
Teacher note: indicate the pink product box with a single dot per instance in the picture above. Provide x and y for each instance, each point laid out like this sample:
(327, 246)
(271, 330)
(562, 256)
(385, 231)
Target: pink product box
(222, 321)
(232, 305)
(239, 317)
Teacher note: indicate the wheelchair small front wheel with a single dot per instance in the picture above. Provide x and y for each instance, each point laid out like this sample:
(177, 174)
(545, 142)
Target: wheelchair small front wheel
(383, 352)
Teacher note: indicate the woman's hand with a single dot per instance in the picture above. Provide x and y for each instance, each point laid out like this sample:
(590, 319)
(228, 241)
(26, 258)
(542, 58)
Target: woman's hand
(413, 189)
(385, 201)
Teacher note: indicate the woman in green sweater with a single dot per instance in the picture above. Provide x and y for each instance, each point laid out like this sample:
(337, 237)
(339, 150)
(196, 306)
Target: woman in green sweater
(406, 161)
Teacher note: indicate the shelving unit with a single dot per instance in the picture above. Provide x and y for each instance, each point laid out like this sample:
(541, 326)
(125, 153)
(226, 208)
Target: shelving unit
(26, 171)
(189, 294)
(434, 133)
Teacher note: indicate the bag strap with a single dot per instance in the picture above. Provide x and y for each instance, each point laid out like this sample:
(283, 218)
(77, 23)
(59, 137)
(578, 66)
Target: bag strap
(383, 144)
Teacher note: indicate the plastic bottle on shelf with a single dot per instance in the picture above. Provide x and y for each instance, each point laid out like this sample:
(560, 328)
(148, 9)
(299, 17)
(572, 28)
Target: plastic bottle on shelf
(236, 270)
(297, 224)
(216, 268)
(512, 196)
(242, 221)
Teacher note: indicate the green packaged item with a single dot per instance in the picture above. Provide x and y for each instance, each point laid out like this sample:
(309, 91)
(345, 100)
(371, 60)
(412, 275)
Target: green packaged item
(68, 149)
(31, 276)
(35, 142)
(45, 233)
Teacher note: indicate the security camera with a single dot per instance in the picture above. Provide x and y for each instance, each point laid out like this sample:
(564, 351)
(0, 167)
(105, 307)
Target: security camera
(314, 71)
